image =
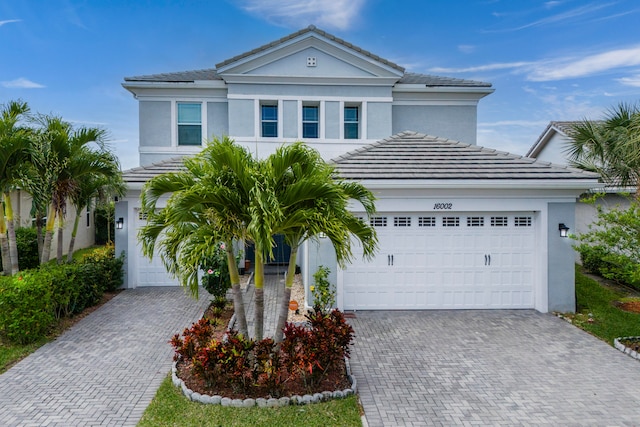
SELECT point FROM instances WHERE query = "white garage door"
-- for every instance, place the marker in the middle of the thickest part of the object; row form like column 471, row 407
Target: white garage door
column 150, row 273
column 445, row 261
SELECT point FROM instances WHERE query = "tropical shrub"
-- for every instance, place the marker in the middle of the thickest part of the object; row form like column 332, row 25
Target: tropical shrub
column 27, row 243
column 216, row 279
column 32, row 301
column 324, row 296
column 26, row 306
column 611, row 248
column 104, row 215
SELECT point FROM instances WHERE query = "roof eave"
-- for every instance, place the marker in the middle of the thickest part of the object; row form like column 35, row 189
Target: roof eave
column 580, row 185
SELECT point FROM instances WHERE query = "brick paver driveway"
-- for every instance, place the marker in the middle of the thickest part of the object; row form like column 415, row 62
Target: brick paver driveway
column 489, row 368
column 106, row 369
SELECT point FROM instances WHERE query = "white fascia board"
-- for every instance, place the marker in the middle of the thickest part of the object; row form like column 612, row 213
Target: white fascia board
column 575, row 185
column 306, row 80
column 135, row 87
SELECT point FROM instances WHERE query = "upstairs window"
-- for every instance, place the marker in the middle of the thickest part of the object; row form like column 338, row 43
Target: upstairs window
column 310, row 121
column 189, row 124
column 351, row 122
column 269, row 120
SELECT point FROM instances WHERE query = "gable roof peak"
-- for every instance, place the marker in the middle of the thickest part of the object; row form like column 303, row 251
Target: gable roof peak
column 302, row 32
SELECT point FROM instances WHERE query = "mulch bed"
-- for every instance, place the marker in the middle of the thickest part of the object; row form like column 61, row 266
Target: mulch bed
column 630, row 306
column 334, row 380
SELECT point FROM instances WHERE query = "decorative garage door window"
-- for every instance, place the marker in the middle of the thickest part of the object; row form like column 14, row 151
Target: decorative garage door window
column 379, row 221
column 427, row 221
column 451, row 221
column 475, row 221
column 402, row 221
column 499, row 221
column 523, row 221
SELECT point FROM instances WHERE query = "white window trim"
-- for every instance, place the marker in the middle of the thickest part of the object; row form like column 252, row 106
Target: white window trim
column 321, row 121
column 174, row 121
column 362, row 122
column 257, row 130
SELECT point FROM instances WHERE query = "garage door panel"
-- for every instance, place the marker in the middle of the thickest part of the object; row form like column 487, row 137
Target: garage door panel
column 478, row 262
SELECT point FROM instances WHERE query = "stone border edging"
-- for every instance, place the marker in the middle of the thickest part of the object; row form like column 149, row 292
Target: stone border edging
column 617, row 344
column 261, row 402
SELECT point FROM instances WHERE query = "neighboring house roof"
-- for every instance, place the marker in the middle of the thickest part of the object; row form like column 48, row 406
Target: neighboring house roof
column 553, row 127
column 212, row 73
column 415, row 156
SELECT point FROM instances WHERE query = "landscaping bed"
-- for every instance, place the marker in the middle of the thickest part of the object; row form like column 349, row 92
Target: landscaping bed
column 259, row 370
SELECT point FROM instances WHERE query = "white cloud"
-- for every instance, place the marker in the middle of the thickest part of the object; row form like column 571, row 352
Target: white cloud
column 21, row 83
column 584, row 66
column 630, row 81
column 466, row 48
column 9, row 21
column 487, row 67
column 338, row 14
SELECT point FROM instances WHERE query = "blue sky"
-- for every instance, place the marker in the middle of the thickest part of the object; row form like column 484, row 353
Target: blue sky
column 547, row 60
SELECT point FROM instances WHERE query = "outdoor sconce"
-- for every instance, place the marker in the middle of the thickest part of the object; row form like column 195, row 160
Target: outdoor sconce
column 120, row 223
column 564, row 230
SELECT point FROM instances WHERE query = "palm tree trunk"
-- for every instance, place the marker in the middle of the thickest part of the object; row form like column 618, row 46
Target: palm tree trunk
column 60, row 238
column 72, row 241
column 4, row 244
column 11, row 231
column 283, row 310
column 259, row 297
column 48, row 235
column 238, row 302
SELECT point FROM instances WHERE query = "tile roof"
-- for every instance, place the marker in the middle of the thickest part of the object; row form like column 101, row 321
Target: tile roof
column 142, row 174
column 310, row 29
column 178, row 77
column 414, row 156
column 429, row 80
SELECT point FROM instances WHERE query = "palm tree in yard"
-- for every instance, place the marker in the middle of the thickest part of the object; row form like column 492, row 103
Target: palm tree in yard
column 62, row 157
column 14, row 144
column 96, row 186
column 208, row 202
column 610, row 147
column 312, row 201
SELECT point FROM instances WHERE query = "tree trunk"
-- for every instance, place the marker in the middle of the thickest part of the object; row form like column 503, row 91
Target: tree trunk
column 39, row 235
column 72, row 241
column 60, row 238
column 283, row 311
column 13, row 244
column 258, row 279
column 238, row 302
column 4, row 244
column 48, row 235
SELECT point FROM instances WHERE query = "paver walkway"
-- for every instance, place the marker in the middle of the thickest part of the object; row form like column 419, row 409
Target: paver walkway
column 106, row 369
column 441, row 368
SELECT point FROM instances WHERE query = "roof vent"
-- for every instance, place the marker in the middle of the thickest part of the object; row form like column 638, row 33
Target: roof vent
column 311, row 61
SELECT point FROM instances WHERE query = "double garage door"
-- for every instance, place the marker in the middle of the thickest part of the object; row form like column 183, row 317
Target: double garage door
column 445, row 261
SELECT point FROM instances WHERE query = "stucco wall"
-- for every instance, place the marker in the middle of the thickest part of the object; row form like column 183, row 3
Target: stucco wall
column 155, row 123
column 290, row 119
column 320, row 253
column 332, row 120
column 241, row 117
column 561, row 258
column 121, row 236
column 217, row 119
column 446, row 121
column 379, row 120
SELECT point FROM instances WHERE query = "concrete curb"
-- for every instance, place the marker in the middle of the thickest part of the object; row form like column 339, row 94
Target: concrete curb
column 617, row 344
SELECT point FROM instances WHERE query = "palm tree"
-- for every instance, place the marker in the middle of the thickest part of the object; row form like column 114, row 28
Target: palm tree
column 610, row 147
column 311, row 201
column 62, row 158
column 14, row 143
column 98, row 186
column 208, row 203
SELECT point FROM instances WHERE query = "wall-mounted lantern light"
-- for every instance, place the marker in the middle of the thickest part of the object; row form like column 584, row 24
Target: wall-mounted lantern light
column 120, row 223
column 564, row 230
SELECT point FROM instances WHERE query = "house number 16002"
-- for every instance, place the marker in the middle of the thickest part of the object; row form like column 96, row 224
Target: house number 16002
column 443, row 206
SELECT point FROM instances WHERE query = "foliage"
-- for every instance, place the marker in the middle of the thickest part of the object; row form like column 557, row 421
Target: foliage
column 324, row 296
column 26, row 306
column 609, row 147
column 27, row 244
column 597, row 313
column 33, row 301
column 306, row 353
column 171, row 408
column 104, row 221
column 216, row 279
column 611, row 248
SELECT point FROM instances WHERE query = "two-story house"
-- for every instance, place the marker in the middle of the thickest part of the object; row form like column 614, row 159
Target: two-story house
column 460, row 226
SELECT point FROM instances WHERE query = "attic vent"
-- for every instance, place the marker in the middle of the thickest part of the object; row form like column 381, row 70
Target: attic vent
column 311, row 61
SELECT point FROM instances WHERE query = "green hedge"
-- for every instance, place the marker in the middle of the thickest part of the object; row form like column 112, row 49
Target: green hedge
column 27, row 244
column 33, row 301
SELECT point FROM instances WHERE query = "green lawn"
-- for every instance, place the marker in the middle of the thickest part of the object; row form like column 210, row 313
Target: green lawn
column 171, row 408
column 609, row 322
column 11, row 353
